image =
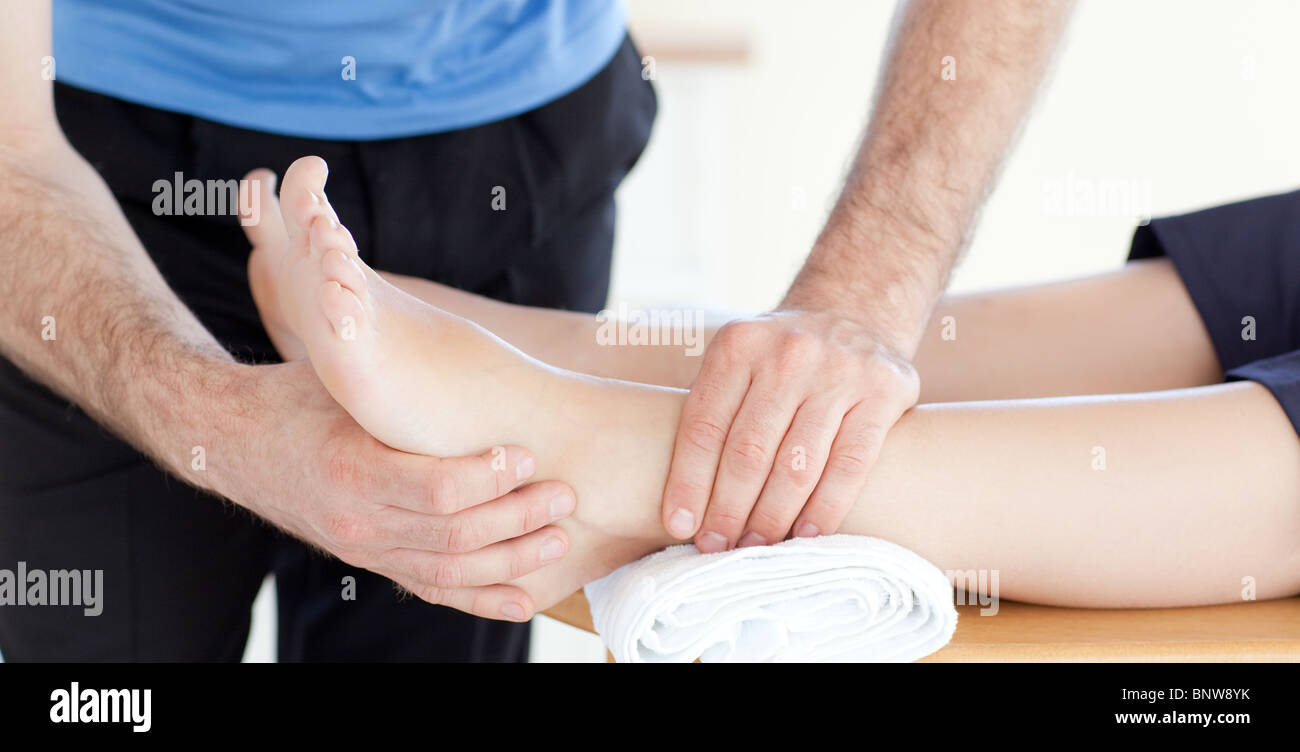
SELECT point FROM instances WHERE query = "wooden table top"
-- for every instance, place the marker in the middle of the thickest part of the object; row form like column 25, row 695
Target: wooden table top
column 1254, row 631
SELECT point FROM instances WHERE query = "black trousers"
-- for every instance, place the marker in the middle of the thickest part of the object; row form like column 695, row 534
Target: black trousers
column 181, row 568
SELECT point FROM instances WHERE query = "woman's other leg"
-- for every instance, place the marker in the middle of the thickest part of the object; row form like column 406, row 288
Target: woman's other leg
column 1131, row 330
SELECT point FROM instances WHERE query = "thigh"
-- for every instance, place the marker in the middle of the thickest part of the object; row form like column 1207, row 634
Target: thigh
column 519, row 210
column 1132, row 330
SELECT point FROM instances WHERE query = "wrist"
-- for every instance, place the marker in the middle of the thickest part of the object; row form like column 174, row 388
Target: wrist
column 894, row 313
column 879, row 272
column 203, row 412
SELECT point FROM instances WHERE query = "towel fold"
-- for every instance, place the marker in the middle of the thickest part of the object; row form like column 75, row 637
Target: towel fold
column 834, row 598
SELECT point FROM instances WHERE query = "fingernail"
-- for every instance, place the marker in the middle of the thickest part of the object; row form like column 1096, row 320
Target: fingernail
column 807, row 530
column 681, row 523
column 751, row 539
column 525, row 468
column 513, row 611
column 562, row 506
column 552, row 549
column 711, row 543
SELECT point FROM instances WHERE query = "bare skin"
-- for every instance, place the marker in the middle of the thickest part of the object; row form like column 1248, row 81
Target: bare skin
column 133, row 357
column 831, row 369
column 1197, row 491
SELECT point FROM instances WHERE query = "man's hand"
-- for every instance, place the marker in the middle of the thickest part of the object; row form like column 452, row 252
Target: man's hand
column 781, row 427
column 449, row 530
column 783, row 396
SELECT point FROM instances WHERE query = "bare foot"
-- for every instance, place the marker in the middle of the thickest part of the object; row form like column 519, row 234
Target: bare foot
column 424, row 381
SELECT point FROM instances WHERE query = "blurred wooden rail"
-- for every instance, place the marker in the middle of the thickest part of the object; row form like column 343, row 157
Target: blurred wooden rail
column 1255, row 631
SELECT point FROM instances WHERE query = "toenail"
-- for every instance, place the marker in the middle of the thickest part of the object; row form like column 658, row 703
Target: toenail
column 682, row 523
column 562, row 506
column 807, row 530
column 552, row 549
column 711, row 543
column 751, row 539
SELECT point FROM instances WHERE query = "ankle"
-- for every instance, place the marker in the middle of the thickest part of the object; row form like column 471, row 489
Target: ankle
column 612, row 442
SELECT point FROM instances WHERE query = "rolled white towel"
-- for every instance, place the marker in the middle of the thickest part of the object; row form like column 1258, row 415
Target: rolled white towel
column 834, row 598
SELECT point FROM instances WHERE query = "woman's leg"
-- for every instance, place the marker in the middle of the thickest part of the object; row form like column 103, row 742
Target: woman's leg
column 1134, row 329
column 1162, row 499
column 1131, row 330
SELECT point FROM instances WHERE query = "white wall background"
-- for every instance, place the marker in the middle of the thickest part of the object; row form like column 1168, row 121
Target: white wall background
column 1192, row 102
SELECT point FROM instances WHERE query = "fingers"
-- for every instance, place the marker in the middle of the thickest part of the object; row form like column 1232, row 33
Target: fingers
column 504, row 602
column 446, row 486
column 511, row 516
column 752, row 443
column 798, row 464
column 845, row 476
column 701, row 437
column 494, row 564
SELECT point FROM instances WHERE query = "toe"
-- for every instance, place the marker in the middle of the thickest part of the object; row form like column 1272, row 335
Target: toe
column 303, row 200
column 259, row 211
column 339, row 267
column 343, row 310
column 327, row 236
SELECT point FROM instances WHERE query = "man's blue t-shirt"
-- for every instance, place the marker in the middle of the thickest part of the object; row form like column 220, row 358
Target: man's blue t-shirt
column 337, row 70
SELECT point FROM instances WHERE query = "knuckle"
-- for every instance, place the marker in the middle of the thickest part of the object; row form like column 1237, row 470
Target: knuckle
column 705, row 434
column 478, row 604
column 882, row 380
column 344, row 470
column 503, row 481
column 459, row 536
column 799, row 347
column 851, row 459
column 747, row 454
column 429, row 594
column 446, row 573
column 723, row 518
column 518, row 566
column 687, row 490
column 536, row 513
column 734, row 334
column 767, row 523
column 444, row 493
column 801, row 477
column 739, row 339
column 345, row 530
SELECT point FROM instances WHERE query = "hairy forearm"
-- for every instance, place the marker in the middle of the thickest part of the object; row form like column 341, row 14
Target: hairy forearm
column 957, row 82
column 86, row 313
